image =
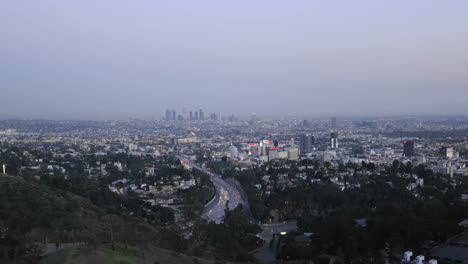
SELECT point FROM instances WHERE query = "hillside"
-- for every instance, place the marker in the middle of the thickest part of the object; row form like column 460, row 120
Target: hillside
column 26, row 205
column 132, row 255
column 32, row 214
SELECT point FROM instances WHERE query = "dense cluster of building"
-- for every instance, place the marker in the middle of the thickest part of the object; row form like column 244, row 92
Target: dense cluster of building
column 440, row 145
column 252, row 141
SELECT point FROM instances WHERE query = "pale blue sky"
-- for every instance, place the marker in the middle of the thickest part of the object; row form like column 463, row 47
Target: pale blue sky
column 85, row 58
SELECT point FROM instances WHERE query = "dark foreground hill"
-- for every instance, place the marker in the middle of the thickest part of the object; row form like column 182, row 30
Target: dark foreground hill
column 132, row 255
column 33, row 215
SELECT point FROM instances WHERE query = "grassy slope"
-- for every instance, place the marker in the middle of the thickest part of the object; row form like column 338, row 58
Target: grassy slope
column 30, row 203
column 26, row 204
column 105, row 255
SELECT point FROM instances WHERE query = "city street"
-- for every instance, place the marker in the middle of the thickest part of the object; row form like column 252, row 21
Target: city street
column 266, row 254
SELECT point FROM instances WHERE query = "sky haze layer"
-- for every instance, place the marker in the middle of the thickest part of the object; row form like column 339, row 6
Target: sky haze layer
column 86, row 59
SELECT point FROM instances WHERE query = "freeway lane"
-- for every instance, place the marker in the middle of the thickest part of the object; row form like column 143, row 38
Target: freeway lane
column 214, row 210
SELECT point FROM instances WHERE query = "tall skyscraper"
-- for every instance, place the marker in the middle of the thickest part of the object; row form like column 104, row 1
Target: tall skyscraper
column 408, row 148
column 253, row 117
column 333, row 123
column 334, row 140
column 191, row 115
column 168, row 115
column 306, row 142
column 202, row 115
column 173, row 115
column 213, row 116
column 196, row 116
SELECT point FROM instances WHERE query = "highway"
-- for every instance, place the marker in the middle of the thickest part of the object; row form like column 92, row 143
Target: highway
column 214, row 210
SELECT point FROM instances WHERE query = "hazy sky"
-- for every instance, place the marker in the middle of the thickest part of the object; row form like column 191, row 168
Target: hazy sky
column 85, row 59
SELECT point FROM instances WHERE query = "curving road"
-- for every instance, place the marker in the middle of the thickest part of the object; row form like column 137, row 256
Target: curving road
column 227, row 191
column 214, row 210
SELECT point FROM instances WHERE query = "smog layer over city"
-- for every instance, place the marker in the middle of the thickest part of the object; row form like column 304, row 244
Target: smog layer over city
column 234, row 132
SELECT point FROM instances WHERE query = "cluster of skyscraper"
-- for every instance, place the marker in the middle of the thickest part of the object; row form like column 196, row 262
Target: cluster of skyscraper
column 200, row 115
column 307, row 141
column 171, row 115
column 191, row 115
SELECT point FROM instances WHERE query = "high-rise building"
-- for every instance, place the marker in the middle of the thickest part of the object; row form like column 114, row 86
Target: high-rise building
column 168, row 115
column 196, row 116
column 447, row 152
column 191, row 115
column 306, row 142
column 408, row 148
column 173, row 115
column 213, row 116
column 202, row 115
column 334, row 140
column 333, row 123
column 253, row 117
